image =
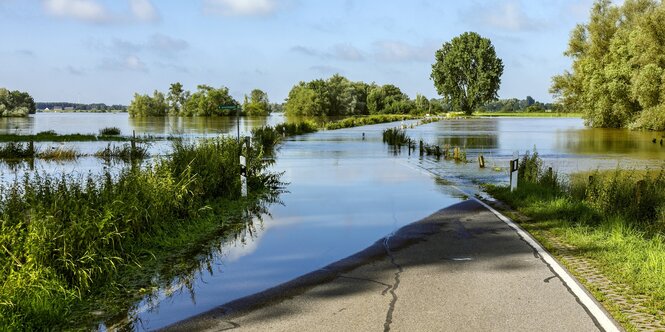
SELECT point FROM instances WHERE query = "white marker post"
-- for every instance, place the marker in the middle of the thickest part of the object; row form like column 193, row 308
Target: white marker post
column 243, row 176
column 514, row 166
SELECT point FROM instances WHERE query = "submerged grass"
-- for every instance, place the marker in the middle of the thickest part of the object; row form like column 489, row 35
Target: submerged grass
column 109, row 134
column 62, row 236
column 58, row 153
column 127, row 152
column 615, row 218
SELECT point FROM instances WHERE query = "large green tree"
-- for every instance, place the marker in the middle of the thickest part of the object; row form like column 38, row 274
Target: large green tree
column 467, row 72
column 617, row 77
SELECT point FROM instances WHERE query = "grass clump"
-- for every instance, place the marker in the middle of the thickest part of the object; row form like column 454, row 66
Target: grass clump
column 127, row 152
column 63, row 236
column 396, row 137
column 615, row 218
column 109, row 131
column 58, row 153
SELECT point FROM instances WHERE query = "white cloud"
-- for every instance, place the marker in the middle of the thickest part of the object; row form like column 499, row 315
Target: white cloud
column 347, row 52
column 240, row 7
column 85, row 10
column 398, row 51
column 128, row 63
column 505, row 16
column 344, row 52
column 143, row 10
column 165, row 44
column 93, row 11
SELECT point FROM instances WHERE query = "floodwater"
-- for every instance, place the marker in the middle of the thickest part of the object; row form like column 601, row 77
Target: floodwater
column 346, row 190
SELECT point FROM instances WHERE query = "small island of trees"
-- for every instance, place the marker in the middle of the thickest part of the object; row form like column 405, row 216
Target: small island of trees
column 206, row 101
column 16, row 103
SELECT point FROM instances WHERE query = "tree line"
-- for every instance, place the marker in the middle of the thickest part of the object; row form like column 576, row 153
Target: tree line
column 16, row 103
column 205, row 101
column 514, row 105
column 617, row 77
column 80, row 107
column 338, row 96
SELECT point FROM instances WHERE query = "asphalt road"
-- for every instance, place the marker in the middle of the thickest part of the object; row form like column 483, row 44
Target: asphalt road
column 461, row 269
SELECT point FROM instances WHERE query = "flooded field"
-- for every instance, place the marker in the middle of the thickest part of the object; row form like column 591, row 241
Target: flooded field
column 346, row 189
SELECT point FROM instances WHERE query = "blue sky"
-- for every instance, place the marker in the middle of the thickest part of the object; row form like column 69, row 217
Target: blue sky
column 105, row 50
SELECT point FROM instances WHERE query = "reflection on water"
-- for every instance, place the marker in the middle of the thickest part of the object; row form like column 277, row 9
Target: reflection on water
column 91, row 123
column 344, row 193
column 179, row 275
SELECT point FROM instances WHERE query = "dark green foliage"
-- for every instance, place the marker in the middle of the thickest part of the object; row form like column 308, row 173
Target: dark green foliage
column 109, row 131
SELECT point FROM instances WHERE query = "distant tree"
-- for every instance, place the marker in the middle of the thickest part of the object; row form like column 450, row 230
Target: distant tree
column 176, row 98
column 467, row 72
column 530, row 101
column 257, row 103
column 145, row 105
column 422, row 104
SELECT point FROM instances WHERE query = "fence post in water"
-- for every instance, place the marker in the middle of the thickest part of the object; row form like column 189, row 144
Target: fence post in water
column 421, row 148
column 481, row 161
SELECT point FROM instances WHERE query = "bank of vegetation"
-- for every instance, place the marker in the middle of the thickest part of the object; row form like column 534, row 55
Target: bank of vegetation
column 617, row 77
column 105, row 134
column 614, row 218
column 62, row 236
column 16, row 103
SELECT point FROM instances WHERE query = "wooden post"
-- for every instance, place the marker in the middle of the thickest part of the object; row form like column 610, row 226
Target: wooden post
column 481, row 161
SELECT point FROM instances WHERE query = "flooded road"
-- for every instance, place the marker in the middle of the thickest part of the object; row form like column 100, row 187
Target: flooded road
column 344, row 191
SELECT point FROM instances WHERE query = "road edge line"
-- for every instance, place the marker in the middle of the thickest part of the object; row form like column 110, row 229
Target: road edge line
column 605, row 322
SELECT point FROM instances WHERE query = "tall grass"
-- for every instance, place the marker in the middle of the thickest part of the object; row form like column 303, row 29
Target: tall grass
column 615, row 218
column 62, row 235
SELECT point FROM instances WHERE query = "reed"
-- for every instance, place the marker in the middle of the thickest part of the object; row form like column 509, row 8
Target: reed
column 63, row 235
column 109, row 131
column 58, row 153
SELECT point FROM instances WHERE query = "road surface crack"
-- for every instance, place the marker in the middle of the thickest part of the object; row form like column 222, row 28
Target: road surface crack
column 393, row 288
